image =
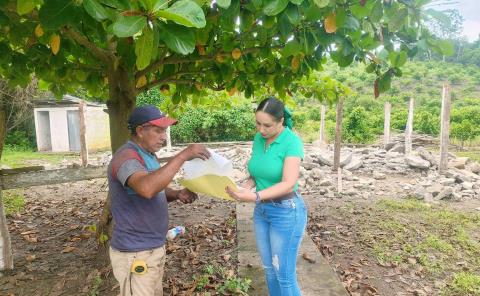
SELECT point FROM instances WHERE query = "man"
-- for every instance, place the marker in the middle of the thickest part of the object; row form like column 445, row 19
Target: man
column 139, row 193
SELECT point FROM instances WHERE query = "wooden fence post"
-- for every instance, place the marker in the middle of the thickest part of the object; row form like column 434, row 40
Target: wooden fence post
column 169, row 140
column 444, row 128
column 386, row 124
column 409, row 128
column 323, row 139
column 338, row 135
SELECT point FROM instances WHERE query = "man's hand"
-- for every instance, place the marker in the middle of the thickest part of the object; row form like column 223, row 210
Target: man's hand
column 195, row 151
column 186, row 196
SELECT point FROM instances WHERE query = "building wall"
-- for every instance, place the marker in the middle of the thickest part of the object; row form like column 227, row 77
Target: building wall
column 58, row 128
column 97, row 128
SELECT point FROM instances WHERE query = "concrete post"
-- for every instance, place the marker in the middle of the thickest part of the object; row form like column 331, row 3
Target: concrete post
column 445, row 128
column 409, row 128
column 338, row 135
column 323, row 139
column 386, row 124
column 83, row 139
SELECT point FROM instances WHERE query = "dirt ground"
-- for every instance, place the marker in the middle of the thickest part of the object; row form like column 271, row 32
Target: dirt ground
column 55, row 252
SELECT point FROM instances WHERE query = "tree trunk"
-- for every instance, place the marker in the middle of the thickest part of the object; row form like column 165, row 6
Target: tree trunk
column 121, row 102
column 6, row 257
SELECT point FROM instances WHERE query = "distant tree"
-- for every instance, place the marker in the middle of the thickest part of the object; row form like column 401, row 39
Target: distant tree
column 464, row 131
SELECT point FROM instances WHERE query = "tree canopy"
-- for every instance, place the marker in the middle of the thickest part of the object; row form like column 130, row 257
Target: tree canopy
column 117, row 49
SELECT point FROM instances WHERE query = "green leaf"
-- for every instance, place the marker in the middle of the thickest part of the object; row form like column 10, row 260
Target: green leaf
column 224, row 3
column 178, row 38
column 127, row 26
column 95, row 10
column 321, row 3
column 384, row 82
column 397, row 59
column 144, row 48
column 57, row 13
column 296, row 2
column 159, row 4
column 377, row 12
column 351, row 23
column 274, row 7
column 25, row 6
column 397, row 21
column 291, row 48
column 184, row 12
column 293, row 15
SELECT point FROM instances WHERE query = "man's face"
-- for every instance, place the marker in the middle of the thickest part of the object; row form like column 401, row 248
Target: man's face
column 151, row 137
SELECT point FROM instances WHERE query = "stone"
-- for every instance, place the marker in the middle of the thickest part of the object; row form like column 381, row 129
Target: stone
column 435, row 189
column 459, row 162
column 474, row 168
column 390, row 145
column 427, row 155
column 379, row 176
column 326, row 183
column 316, row 174
column 420, row 192
column 417, row 162
column 446, row 193
column 447, row 181
column 310, row 165
column 467, row 185
column 355, row 163
column 323, row 160
column 399, row 147
column 345, row 159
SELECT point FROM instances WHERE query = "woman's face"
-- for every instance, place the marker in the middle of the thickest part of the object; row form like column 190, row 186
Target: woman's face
column 267, row 125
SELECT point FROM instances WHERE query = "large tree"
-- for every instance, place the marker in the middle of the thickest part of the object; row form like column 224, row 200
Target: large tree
column 118, row 48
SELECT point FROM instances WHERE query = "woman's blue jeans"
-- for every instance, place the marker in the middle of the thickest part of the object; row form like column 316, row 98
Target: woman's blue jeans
column 279, row 228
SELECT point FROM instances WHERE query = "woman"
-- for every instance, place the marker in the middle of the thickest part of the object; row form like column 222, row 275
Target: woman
column 280, row 215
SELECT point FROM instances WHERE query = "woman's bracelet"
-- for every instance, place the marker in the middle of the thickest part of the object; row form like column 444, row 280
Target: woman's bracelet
column 257, row 199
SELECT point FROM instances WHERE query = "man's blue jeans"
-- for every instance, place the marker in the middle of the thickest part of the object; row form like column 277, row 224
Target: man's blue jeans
column 279, row 228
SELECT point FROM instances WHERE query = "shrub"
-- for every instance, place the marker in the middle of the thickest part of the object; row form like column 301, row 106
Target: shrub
column 19, row 140
column 356, row 128
column 199, row 124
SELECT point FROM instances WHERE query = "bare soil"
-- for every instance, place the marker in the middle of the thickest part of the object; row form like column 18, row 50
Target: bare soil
column 55, row 252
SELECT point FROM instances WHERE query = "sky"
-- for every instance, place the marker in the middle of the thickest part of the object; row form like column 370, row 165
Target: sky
column 470, row 10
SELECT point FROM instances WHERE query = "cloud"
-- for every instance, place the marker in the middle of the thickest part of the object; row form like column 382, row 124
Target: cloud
column 471, row 29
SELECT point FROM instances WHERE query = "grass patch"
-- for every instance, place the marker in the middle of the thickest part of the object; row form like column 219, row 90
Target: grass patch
column 15, row 159
column 463, row 284
column 220, row 281
column 473, row 155
column 13, row 201
column 415, row 233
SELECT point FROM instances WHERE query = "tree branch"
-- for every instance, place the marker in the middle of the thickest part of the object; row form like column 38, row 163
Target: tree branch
column 182, row 60
column 100, row 53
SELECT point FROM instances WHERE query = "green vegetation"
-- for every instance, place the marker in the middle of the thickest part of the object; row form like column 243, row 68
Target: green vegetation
column 363, row 115
column 434, row 238
column 463, row 284
column 217, row 279
column 19, row 158
column 199, row 124
column 13, row 201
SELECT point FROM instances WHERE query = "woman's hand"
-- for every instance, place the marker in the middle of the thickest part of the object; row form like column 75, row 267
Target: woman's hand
column 242, row 194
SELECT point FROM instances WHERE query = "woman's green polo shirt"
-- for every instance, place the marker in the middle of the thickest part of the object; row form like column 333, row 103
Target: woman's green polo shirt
column 266, row 166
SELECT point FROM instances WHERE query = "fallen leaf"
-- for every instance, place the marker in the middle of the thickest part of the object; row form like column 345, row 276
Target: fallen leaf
column 308, row 258
column 68, row 249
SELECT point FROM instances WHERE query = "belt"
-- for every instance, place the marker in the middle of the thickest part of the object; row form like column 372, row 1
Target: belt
column 288, row 196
